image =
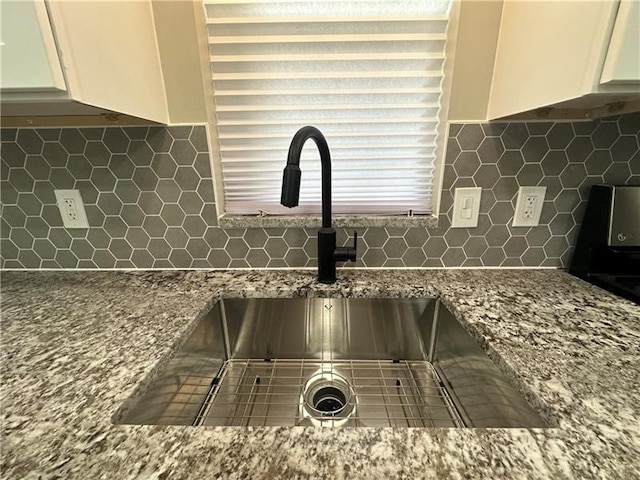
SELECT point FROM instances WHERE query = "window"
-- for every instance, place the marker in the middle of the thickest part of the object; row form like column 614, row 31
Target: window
column 367, row 73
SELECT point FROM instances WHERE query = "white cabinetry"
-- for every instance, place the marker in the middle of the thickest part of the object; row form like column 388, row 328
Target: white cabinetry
column 28, row 56
column 109, row 56
column 551, row 54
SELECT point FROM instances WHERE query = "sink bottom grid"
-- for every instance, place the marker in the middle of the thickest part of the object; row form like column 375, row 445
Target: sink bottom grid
column 379, row 394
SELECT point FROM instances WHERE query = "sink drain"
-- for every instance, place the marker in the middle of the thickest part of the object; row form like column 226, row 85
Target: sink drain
column 327, row 395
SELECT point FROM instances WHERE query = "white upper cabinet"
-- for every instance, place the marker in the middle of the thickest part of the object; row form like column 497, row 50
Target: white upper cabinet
column 552, row 53
column 108, row 52
column 28, row 56
column 622, row 64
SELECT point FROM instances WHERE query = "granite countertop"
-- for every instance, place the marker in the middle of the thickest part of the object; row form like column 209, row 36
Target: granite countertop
column 75, row 345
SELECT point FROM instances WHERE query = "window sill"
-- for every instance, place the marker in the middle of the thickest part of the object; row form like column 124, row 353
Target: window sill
column 338, row 221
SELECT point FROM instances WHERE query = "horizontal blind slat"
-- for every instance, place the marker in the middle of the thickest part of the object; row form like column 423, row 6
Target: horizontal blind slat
column 373, row 91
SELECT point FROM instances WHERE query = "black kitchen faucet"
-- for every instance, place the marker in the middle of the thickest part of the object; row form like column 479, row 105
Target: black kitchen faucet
column 328, row 253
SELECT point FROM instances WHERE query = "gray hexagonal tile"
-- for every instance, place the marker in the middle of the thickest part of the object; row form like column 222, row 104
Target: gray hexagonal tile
column 180, row 258
column 102, row 178
column 466, row 164
column 66, row 259
column 510, row 162
column 82, row 248
column 141, row 258
column 257, row 237
column 505, row 188
column 238, row 248
column 136, row 133
column 560, row 135
column 187, row 178
column 530, row 174
column 490, row 150
column 115, row 140
column 202, row 165
column 122, row 167
column 168, row 190
column 180, row 132
column 515, row 246
column 37, row 167
column 191, row 203
column 533, row 257
column 109, row 203
column 555, row 246
column 219, row 258
column 60, row 237
column 154, row 226
column 453, row 257
column 435, row 247
column 514, row 136
column 159, row 139
column 145, row 178
column 9, row 195
column 617, row 174
column 414, row 257
column 275, row 247
column 493, row 257
column 137, row 237
column 470, row 136
column 140, row 153
column 295, row 258
column 198, row 248
column 37, row 227
column 150, row 203
column 624, row 148
column 132, row 215
column 579, row 149
column 539, row 128
column 501, row 213
column 43, row 247
column 395, row 247
column 72, row 141
column 29, row 203
column 29, row 141
column 605, row 134
column 97, row 154
column 115, row 227
column 159, row 248
column 567, row 200
column 573, row 175
column 474, row 247
column 198, row 139
column 183, row 152
column 176, row 237
column 257, row 258
column 561, row 224
column 453, row 150
column 216, row 237
column 172, row 214
column 98, row 238
column 13, row 155
column 14, row 215
column 194, row 226
column 373, row 257
column 486, row 176
column 21, row 180
column 534, row 149
column 164, row 165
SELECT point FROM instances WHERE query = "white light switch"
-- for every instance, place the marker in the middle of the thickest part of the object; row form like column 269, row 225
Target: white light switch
column 529, row 206
column 466, row 206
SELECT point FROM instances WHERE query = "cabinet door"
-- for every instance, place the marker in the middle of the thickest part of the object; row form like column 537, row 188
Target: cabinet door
column 28, row 56
column 622, row 64
column 110, row 55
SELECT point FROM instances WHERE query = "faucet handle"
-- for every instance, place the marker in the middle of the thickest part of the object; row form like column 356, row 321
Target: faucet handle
column 347, row 254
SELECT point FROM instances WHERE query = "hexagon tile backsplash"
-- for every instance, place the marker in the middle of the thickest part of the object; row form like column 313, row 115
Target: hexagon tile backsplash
column 150, row 203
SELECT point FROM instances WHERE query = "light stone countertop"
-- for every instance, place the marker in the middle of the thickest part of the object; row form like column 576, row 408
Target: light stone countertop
column 75, row 345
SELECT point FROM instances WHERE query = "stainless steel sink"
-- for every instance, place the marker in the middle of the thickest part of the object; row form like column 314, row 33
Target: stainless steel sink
column 356, row 362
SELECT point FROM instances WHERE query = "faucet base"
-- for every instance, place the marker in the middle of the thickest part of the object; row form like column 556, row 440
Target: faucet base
column 326, row 262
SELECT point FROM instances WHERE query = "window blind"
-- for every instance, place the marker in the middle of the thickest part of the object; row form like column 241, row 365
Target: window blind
column 367, row 73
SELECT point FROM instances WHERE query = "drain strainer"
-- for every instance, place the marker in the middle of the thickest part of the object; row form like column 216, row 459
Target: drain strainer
column 327, row 396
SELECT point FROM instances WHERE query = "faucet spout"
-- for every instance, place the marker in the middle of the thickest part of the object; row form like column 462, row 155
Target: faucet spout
column 291, row 179
column 328, row 252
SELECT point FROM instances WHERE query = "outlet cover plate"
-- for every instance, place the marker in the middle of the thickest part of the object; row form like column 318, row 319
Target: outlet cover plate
column 71, row 208
column 529, row 206
column 466, row 207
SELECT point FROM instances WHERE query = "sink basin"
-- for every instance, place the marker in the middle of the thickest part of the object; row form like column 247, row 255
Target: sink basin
column 330, row 362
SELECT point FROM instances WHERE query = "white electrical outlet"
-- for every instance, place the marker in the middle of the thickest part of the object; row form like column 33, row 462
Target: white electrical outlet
column 71, row 208
column 466, row 206
column 529, row 206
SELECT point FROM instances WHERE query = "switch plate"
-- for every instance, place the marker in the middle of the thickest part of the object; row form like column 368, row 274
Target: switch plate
column 71, row 208
column 529, row 206
column 466, row 206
